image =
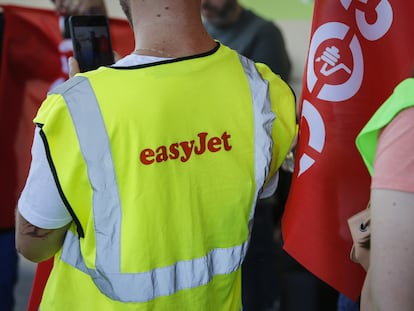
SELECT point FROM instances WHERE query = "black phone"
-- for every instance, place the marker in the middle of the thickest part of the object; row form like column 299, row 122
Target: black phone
column 92, row 46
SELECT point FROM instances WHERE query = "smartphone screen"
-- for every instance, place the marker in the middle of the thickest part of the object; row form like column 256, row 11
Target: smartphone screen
column 91, row 40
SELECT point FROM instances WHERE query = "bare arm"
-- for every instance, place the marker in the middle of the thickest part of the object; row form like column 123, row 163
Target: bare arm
column 37, row 244
column 391, row 275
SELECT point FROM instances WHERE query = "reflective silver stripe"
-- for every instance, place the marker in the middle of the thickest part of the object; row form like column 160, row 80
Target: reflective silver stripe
column 95, row 148
column 263, row 123
column 165, row 281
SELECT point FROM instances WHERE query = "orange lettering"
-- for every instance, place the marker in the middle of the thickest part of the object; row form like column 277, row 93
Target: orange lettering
column 174, row 152
column 185, row 149
column 145, row 155
column 225, row 137
column 161, row 154
column 202, row 149
column 214, row 144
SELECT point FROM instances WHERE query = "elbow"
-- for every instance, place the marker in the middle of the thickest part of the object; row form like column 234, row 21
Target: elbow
column 36, row 244
column 31, row 253
column 27, row 254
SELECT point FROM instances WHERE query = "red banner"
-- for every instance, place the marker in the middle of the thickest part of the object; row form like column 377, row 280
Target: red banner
column 359, row 50
column 34, row 60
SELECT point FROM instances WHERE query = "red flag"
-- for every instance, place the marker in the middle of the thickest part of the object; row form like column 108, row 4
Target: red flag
column 34, row 60
column 359, row 50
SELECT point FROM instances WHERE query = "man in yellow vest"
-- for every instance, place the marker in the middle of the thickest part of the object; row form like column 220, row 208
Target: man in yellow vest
column 145, row 174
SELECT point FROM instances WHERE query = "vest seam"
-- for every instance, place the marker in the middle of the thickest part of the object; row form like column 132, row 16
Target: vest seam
column 58, row 186
column 170, row 61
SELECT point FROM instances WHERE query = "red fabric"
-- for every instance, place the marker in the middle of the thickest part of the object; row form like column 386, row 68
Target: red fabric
column 34, row 59
column 31, row 63
column 330, row 181
column 39, row 283
column 27, row 70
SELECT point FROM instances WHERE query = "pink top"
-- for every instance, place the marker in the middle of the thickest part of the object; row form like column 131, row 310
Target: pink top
column 394, row 160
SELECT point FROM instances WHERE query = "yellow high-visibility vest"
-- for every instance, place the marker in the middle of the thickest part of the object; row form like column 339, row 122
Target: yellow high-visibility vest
column 160, row 166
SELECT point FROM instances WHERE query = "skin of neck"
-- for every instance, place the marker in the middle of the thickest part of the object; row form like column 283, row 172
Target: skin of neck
column 169, row 28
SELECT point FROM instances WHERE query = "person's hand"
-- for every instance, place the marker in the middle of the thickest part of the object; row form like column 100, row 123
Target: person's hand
column 80, row 7
column 73, row 67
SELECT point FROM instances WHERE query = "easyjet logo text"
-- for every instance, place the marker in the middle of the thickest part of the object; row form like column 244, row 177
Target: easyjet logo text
column 186, row 149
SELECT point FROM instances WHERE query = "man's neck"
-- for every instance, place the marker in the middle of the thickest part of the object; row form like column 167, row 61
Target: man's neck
column 169, row 28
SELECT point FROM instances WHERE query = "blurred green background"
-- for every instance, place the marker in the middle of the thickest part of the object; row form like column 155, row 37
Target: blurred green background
column 281, row 9
column 270, row 9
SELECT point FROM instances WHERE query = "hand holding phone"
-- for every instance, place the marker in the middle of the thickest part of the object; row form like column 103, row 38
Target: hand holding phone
column 91, row 40
column 73, row 67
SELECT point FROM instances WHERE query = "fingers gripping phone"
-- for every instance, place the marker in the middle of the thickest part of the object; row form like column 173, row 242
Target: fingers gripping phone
column 91, row 40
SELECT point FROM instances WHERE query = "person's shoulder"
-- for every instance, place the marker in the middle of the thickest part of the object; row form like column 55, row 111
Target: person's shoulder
column 268, row 74
column 260, row 21
column 403, row 120
column 405, row 88
column 263, row 28
column 251, row 15
column 81, row 80
column 67, row 85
